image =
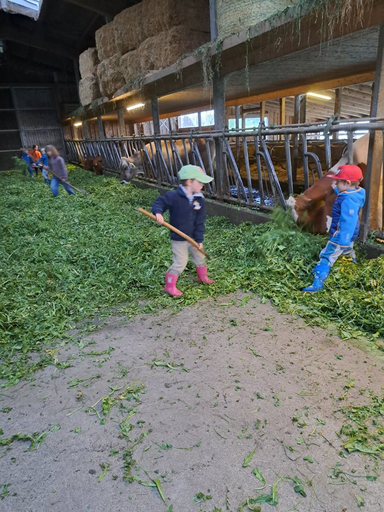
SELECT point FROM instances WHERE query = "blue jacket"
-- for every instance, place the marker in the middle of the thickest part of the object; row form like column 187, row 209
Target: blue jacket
column 43, row 160
column 27, row 158
column 345, row 216
column 189, row 218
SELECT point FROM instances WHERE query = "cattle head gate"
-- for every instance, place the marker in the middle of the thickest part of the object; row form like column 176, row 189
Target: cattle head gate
column 257, row 168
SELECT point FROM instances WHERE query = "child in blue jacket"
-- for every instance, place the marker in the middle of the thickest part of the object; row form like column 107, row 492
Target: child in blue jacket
column 345, row 222
column 28, row 160
column 186, row 206
column 43, row 163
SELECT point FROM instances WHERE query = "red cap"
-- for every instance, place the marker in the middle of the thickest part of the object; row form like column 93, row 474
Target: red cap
column 347, row 173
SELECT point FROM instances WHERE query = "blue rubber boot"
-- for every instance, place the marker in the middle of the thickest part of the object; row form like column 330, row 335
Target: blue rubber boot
column 321, row 273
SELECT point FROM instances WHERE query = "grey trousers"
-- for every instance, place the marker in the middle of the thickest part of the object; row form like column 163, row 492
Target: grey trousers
column 331, row 252
column 180, row 257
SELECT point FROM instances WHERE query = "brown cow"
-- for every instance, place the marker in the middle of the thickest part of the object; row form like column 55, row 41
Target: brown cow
column 133, row 165
column 314, row 207
column 94, row 163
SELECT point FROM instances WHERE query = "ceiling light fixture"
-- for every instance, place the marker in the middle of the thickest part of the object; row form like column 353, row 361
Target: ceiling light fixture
column 77, row 124
column 133, row 107
column 322, row 96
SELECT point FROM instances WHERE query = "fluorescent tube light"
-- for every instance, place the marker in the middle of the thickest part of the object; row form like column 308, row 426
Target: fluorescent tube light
column 133, row 107
column 322, row 96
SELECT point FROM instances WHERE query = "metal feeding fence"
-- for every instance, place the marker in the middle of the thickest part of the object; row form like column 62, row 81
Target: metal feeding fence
column 243, row 163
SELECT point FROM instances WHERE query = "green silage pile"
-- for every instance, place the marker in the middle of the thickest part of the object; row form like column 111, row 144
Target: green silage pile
column 66, row 259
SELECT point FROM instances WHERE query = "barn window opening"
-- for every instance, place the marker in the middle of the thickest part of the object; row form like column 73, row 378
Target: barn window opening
column 342, row 135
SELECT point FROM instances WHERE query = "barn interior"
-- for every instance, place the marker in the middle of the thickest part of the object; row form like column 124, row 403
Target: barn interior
column 82, row 74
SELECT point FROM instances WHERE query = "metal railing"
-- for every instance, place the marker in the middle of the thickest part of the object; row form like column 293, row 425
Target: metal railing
column 242, row 162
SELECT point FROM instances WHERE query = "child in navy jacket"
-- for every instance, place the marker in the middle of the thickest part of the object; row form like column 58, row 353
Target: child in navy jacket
column 345, row 222
column 186, row 206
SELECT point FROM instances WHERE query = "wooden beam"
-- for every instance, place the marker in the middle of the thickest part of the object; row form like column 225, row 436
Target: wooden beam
column 301, row 89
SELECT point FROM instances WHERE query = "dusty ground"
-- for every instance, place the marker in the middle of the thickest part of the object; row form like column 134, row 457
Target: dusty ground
column 247, row 371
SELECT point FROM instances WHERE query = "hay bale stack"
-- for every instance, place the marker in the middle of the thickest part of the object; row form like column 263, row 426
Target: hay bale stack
column 105, row 41
column 88, row 62
column 233, row 17
column 89, row 89
column 165, row 48
column 109, row 74
column 161, row 15
column 130, row 65
column 128, row 29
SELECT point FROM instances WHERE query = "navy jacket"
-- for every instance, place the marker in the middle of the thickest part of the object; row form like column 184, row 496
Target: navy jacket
column 345, row 216
column 189, row 218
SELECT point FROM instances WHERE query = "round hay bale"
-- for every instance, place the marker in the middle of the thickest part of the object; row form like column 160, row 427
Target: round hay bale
column 165, row 48
column 236, row 16
column 110, row 76
column 130, row 65
column 105, row 41
column 89, row 89
column 161, row 15
column 88, row 62
column 128, row 29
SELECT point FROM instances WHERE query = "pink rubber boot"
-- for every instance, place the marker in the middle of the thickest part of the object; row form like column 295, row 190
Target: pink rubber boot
column 170, row 285
column 202, row 275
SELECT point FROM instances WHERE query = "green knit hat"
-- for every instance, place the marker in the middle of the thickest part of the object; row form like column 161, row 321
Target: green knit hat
column 193, row 172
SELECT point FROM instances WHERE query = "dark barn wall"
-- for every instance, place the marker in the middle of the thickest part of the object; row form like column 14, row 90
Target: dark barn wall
column 28, row 115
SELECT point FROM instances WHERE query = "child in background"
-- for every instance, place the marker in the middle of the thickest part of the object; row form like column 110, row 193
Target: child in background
column 43, row 164
column 58, row 169
column 28, row 160
column 345, row 222
column 186, row 206
column 36, row 155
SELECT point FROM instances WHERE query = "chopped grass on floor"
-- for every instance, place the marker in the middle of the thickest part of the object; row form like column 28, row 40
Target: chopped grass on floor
column 69, row 258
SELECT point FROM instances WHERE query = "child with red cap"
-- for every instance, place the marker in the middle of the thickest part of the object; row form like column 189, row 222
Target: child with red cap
column 345, row 222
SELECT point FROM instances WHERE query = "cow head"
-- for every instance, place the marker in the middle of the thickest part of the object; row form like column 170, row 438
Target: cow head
column 128, row 169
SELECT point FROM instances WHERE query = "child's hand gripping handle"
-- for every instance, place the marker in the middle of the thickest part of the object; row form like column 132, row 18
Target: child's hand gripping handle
column 175, row 230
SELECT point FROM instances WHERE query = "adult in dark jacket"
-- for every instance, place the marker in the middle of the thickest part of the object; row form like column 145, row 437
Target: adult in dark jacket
column 186, row 206
column 59, row 171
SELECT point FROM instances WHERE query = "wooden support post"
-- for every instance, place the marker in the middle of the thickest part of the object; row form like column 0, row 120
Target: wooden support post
column 121, row 122
column 155, row 116
column 237, row 126
column 282, row 115
column 337, row 107
column 199, row 120
column 77, row 74
column 85, row 129
column 303, row 108
column 213, row 19
column 282, row 111
column 372, row 218
column 296, row 118
column 262, row 111
column 100, row 128
column 219, row 108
